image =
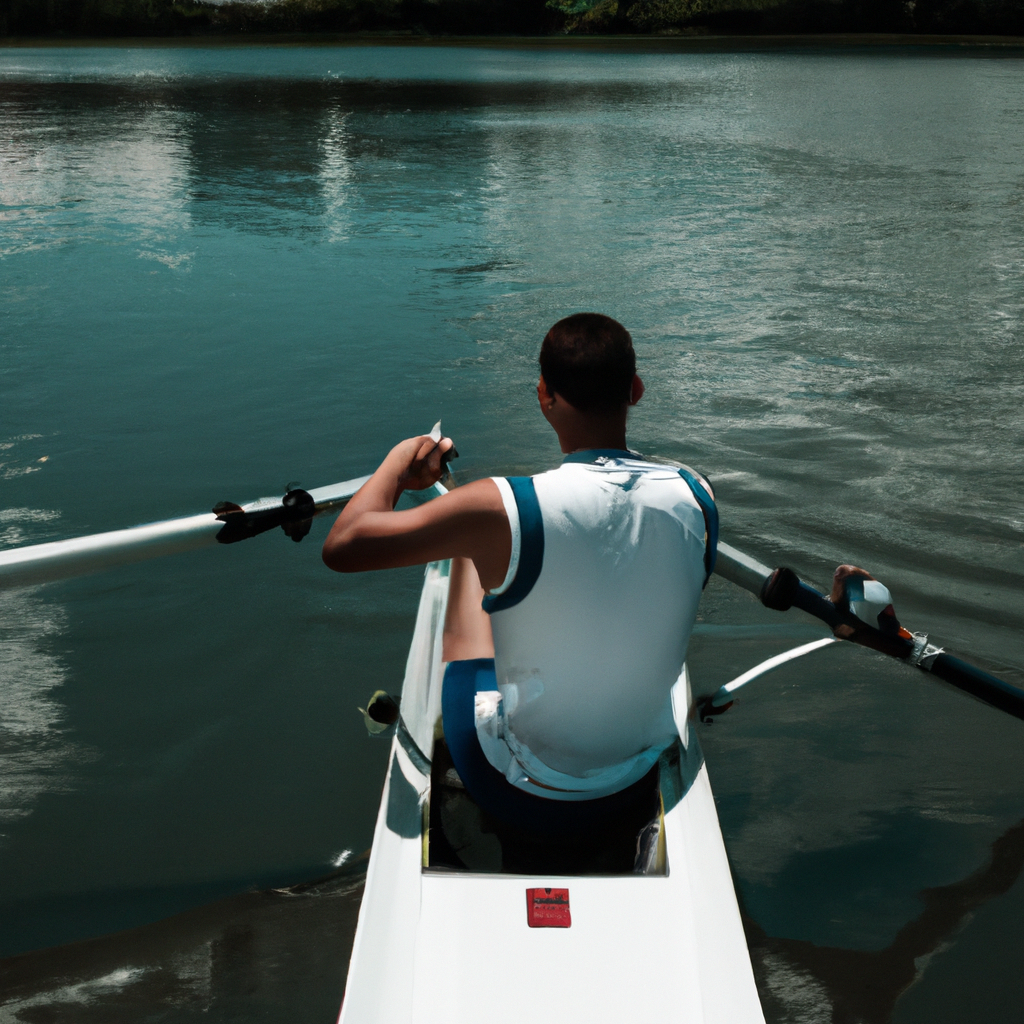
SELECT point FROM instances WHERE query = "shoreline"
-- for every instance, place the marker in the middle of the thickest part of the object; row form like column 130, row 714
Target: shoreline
column 594, row 43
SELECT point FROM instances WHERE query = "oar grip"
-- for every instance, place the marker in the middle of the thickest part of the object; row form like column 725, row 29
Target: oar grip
column 784, row 590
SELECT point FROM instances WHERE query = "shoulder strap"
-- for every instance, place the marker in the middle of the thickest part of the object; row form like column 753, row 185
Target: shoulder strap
column 707, row 505
column 531, row 546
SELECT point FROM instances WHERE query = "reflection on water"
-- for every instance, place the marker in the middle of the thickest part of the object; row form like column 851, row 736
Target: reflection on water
column 274, row 956
column 227, row 269
column 126, row 172
column 36, row 755
column 801, row 982
column 336, row 172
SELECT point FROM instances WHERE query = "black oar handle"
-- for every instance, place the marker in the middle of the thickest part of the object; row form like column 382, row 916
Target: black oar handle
column 783, row 589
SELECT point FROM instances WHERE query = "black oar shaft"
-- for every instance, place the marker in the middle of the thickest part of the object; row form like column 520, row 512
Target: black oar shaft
column 980, row 684
column 986, row 687
column 783, row 589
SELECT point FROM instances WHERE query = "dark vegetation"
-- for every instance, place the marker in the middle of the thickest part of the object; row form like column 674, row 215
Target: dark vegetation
column 71, row 18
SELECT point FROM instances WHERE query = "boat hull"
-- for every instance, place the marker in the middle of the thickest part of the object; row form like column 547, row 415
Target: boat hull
column 456, row 947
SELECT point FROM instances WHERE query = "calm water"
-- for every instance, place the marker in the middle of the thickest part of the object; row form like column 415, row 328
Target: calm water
column 222, row 270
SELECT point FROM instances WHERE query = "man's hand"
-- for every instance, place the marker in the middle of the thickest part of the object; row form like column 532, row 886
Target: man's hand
column 838, row 596
column 469, row 522
column 870, row 602
column 419, row 461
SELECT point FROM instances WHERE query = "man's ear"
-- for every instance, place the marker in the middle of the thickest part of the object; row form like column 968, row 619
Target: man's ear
column 636, row 390
column 544, row 396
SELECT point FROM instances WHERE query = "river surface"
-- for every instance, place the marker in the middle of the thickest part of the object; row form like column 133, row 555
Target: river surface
column 226, row 269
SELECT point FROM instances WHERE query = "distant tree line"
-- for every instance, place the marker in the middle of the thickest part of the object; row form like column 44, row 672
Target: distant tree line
column 77, row 18
column 202, row 17
column 756, row 17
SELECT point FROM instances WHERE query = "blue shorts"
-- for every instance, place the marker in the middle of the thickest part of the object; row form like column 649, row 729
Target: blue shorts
column 492, row 791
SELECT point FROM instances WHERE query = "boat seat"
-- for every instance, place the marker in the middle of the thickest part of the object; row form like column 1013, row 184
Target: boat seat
column 464, row 837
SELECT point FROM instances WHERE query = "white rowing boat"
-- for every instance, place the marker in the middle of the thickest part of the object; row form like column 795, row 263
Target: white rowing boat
column 440, row 942
column 444, row 933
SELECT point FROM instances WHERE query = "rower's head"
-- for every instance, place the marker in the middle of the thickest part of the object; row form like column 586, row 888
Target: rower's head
column 588, row 381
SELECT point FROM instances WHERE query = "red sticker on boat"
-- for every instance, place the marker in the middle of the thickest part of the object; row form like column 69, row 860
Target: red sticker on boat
column 548, row 908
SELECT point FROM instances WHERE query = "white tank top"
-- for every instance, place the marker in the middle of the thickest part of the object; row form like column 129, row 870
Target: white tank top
column 592, row 623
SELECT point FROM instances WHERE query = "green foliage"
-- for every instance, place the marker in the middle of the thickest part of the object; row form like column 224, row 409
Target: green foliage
column 589, row 16
column 583, row 17
column 997, row 17
column 572, row 8
column 101, row 17
column 649, row 15
column 657, row 15
column 307, row 16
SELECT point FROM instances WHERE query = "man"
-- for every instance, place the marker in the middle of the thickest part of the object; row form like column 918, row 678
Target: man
column 572, row 595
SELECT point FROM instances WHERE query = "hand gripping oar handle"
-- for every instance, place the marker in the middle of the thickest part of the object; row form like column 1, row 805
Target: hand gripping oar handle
column 782, row 589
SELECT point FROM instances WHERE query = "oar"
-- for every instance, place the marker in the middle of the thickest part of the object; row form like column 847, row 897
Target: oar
column 227, row 523
column 782, row 589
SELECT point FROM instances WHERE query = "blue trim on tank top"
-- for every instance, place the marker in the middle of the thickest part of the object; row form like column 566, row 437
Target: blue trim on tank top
column 710, row 512
column 531, row 546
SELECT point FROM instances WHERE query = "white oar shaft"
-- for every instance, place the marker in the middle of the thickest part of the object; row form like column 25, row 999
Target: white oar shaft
column 39, row 563
column 739, row 568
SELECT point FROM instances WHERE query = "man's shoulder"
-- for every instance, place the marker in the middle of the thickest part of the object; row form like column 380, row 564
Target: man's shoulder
column 478, row 495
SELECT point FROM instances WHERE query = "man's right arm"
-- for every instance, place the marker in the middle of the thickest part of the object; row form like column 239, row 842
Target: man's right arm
column 470, row 521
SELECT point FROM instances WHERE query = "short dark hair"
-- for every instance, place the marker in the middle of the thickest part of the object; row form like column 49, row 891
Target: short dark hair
column 588, row 359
